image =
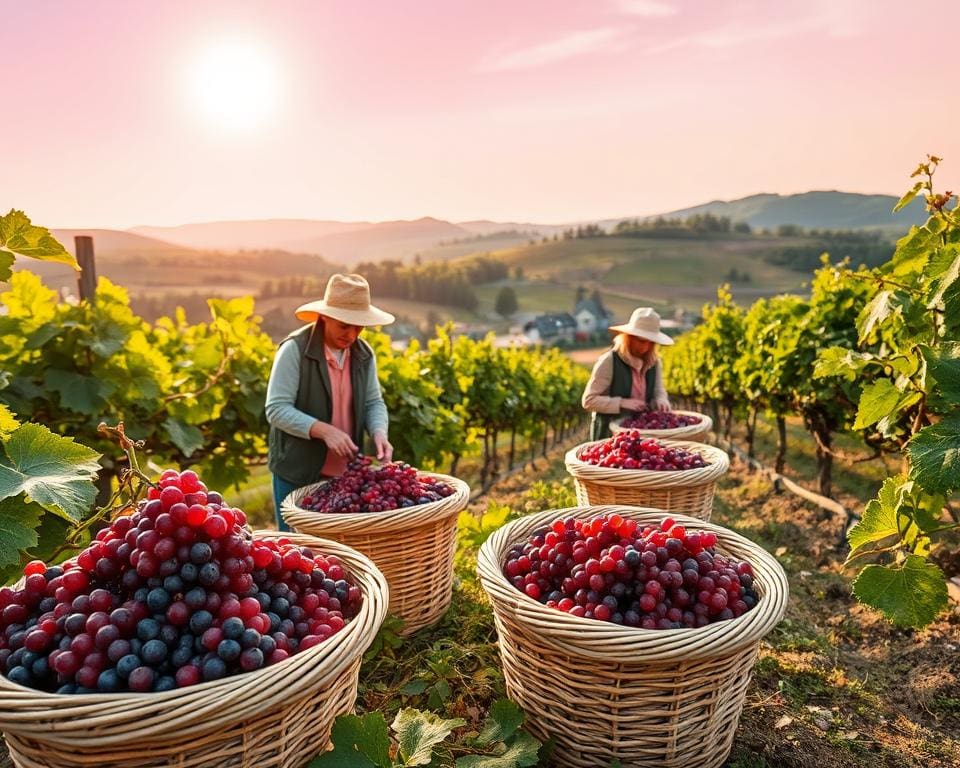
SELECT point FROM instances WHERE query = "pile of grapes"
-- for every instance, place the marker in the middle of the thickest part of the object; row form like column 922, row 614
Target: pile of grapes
column 368, row 488
column 611, row 569
column 174, row 594
column 658, row 420
column 631, row 450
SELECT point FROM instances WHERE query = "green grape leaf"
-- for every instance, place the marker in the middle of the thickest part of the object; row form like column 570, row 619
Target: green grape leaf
column 6, row 264
column 19, row 520
column 186, row 437
column 935, row 456
column 414, row 688
column 910, row 594
column 522, row 751
column 878, row 310
column 879, row 399
column 358, row 742
column 840, row 361
column 943, row 366
column 419, row 732
column 503, row 719
column 51, row 470
column 878, row 525
column 908, row 198
column 19, row 236
column 946, row 281
column 8, row 423
column 83, row 394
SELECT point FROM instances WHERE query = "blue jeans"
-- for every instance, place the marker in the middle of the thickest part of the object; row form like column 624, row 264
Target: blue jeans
column 281, row 489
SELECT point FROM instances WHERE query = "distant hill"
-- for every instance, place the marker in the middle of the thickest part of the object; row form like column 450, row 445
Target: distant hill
column 237, row 235
column 114, row 241
column 811, row 210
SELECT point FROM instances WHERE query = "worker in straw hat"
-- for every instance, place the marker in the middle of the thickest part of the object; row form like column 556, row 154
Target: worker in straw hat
column 629, row 376
column 323, row 392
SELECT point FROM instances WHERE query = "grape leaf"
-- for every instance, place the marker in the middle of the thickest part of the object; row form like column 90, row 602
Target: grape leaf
column 910, row 594
column 943, row 366
column 6, row 262
column 522, row 751
column 358, row 742
column 186, row 437
column 503, row 719
column 908, row 197
column 879, row 399
column 19, row 520
column 880, row 516
column 84, row 394
column 878, row 310
column 51, row 470
column 8, row 423
column 19, row 236
column 418, row 732
column 935, row 456
column 840, row 361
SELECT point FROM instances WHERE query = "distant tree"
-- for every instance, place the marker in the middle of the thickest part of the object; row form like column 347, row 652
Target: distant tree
column 417, row 259
column 518, row 272
column 789, row 230
column 506, row 302
column 742, row 227
column 581, row 294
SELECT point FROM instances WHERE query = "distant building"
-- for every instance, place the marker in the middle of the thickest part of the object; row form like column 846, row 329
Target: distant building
column 549, row 329
column 591, row 316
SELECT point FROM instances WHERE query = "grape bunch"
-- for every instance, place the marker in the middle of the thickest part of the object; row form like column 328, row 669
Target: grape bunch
column 364, row 487
column 174, row 594
column 631, row 450
column 658, row 420
column 612, row 569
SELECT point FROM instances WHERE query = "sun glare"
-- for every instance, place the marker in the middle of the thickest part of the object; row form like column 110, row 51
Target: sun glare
column 234, row 85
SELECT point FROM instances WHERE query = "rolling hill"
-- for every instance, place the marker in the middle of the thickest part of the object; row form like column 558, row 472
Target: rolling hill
column 811, row 210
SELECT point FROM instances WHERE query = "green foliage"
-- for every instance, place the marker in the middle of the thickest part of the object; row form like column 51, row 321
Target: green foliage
column 19, row 237
column 906, row 335
column 193, row 393
column 506, row 303
column 366, row 741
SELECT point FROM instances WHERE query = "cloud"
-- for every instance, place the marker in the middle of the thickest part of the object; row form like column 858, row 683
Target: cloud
column 646, row 8
column 604, row 39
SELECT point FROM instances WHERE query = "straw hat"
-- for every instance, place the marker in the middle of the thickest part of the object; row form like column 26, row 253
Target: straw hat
column 645, row 324
column 347, row 299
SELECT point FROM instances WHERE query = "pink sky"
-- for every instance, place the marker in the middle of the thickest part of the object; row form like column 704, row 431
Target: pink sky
column 540, row 110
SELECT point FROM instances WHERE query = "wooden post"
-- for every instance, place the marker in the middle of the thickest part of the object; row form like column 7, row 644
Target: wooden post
column 87, row 280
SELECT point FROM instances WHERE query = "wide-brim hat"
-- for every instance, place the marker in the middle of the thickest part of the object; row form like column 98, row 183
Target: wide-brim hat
column 645, row 324
column 347, row 299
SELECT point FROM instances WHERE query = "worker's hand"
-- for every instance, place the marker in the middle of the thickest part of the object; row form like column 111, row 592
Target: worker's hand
column 337, row 440
column 384, row 449
column 662, row 405
column 632, row 404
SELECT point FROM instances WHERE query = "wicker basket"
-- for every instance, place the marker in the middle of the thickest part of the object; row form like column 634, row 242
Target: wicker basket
column 278, row 717
column 657, row 698
column 689, row 491
column 413, row 547
column 695, row 433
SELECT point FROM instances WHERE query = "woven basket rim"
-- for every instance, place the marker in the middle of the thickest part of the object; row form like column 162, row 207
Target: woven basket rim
column 20, row 705
column 388, row 519
column 718, row 462
column 704, row 425
column 605, row 640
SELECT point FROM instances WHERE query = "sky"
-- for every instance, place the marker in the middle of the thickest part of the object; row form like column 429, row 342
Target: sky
column 119, row 114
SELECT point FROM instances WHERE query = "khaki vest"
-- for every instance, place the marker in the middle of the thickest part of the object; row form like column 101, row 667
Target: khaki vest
column 294, row 459
column 621, row 386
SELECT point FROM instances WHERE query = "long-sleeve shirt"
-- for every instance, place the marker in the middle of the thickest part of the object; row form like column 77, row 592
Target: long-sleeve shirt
column 596, row 395
column 281, row 409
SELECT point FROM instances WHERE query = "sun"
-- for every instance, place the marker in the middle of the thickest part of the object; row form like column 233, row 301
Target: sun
column 233, row 85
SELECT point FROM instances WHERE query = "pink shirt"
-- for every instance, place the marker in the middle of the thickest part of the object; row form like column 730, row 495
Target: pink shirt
column 638, row 389
column 341, row 393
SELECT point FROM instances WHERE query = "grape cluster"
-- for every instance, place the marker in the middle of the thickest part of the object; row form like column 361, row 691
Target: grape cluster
column 631, row 450
column 176, row 593
column 364, row 487
column 611, row 569
column 658, row 420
